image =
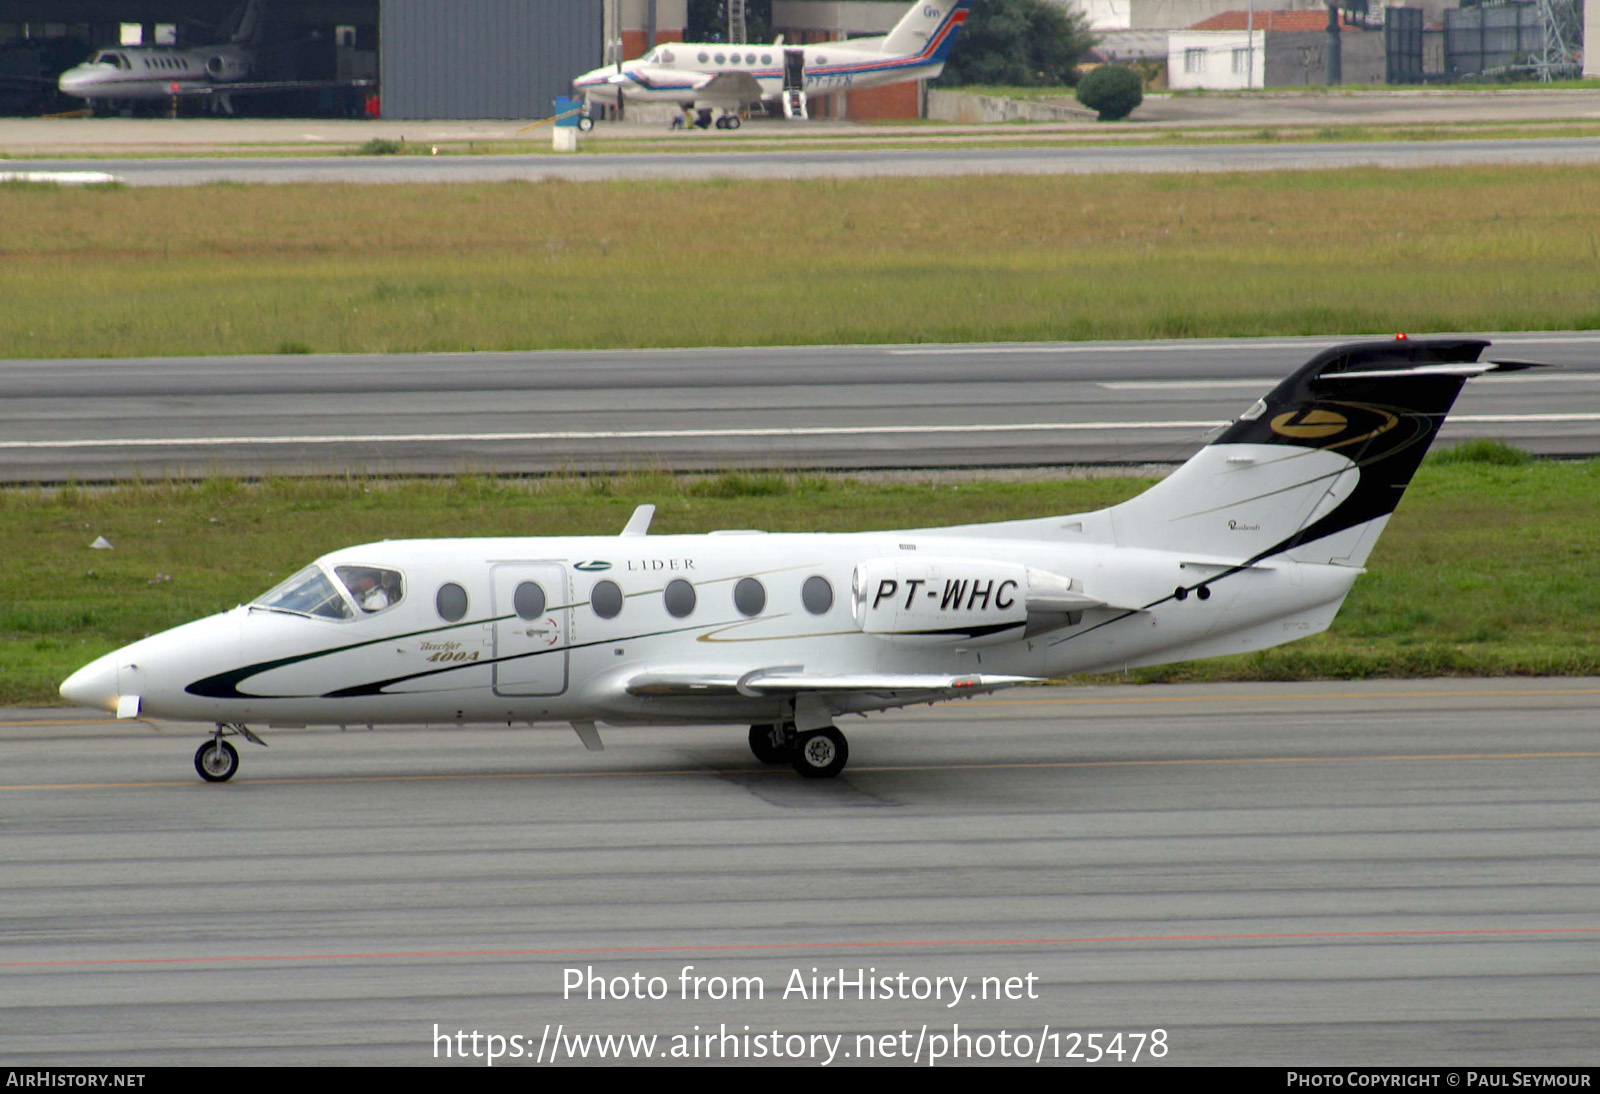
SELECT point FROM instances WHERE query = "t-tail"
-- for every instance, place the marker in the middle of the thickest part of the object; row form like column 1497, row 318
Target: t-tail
column 1312, row 471
column 927, row 32
column 247, row 24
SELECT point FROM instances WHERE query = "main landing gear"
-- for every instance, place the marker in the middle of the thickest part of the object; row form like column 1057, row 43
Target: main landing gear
column 814, row 754
column 217, row 760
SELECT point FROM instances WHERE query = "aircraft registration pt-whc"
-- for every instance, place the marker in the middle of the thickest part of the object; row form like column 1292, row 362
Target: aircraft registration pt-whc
column 729, row 77
column 1253, row 542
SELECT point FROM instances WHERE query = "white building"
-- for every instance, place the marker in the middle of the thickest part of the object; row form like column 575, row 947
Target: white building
column 1163, row 14
column 1591, row 37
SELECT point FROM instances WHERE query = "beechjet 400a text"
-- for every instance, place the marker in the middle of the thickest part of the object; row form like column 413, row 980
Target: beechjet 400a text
column 1253, row 542
column 729, row 77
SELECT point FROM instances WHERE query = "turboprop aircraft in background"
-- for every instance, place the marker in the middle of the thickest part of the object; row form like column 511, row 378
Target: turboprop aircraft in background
column 707, row 76
column 149, row 73
column 1253, row 542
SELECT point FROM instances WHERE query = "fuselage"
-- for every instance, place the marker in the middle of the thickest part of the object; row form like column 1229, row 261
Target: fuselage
column 669, row 74
column 156, row 72
column 562, row 629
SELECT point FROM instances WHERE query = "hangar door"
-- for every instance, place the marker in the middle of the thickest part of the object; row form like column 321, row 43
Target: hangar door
column 484, row 58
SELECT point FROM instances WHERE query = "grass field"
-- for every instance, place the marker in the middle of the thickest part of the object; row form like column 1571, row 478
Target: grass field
column 233, row 269
column 1485, row 568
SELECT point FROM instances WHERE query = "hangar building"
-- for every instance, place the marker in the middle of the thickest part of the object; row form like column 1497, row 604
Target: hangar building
column 462, row 59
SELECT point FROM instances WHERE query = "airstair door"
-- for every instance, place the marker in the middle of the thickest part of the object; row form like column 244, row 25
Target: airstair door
column 532, row 616
column 794, row 70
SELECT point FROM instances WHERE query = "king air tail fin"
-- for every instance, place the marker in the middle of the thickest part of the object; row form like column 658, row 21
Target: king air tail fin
column 1312, row 470
column 927, row 31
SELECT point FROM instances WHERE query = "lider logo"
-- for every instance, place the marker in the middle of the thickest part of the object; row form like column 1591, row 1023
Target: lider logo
column 591, row 566
column 1312, row 423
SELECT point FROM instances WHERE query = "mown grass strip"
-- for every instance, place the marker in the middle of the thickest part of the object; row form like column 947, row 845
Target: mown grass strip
column 1487, row 568
column 561, row 265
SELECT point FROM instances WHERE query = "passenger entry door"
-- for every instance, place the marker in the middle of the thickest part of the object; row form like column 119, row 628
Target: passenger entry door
column 531, row 628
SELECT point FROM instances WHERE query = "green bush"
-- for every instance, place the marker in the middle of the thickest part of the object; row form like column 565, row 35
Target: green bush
column 1112, row 91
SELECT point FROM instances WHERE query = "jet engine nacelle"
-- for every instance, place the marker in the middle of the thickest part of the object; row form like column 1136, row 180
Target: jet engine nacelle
column 225, row 66
column 955, row 601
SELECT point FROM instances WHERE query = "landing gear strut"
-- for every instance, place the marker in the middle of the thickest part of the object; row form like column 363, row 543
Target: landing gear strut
column 217, row 760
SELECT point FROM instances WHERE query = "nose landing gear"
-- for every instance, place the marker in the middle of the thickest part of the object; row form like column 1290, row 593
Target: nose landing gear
column 216, row 761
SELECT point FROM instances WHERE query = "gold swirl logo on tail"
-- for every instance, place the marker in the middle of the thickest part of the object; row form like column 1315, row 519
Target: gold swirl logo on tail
column 1309, row 424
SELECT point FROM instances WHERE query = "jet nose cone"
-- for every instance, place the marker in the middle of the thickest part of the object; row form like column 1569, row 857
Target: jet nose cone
column 72, row 81
column 94, row 685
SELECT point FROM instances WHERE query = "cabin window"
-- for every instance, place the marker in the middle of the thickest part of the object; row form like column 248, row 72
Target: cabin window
column 703, row 57
column 373, row 589
column 309, row 592
column 606, row 599
column 722, row 58
column 817, row 595
column 528, row 600
column 766, row 58
column 749, row 58
column 450, row 602
column 679, row 597
column 749, row 596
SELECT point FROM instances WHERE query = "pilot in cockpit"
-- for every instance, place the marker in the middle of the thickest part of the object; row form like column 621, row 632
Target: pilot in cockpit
column 367, row 587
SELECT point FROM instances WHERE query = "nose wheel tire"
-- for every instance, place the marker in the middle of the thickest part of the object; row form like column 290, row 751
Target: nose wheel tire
column 820, row 754
column 216, row 761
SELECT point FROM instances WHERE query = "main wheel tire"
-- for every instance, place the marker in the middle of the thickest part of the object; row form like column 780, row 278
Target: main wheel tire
column 733, row 121
column 585, row 124
column 216, row 761
column 821, row 754
column 764, row 748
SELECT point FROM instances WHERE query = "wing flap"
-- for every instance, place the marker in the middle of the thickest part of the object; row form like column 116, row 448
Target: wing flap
column 794, row 680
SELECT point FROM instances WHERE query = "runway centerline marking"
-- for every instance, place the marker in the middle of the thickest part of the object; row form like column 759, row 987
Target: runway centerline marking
column 709, row 434
column 782, row 947
column 607, row 434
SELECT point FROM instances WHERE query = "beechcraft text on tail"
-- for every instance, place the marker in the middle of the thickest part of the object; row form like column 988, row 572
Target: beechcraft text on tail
column 717, row 76
column 1253, row 542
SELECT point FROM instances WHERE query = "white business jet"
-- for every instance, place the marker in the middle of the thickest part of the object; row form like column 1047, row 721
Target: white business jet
column 707, row 76
column 116, row 74
column 1253, row 542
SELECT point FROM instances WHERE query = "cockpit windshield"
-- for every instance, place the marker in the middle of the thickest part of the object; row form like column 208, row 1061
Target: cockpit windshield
column 351, row 593
column 309, row 592
column 116, row 60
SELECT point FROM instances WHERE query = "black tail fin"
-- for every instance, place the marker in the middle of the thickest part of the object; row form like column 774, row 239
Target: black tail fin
column 1314, row 468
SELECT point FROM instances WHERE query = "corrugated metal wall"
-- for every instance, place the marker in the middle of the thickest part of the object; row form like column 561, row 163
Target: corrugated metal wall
column 483, row 58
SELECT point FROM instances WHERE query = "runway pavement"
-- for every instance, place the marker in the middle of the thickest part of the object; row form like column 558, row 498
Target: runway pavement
column 801, row 162
column 828, row 407
column 1400, row 872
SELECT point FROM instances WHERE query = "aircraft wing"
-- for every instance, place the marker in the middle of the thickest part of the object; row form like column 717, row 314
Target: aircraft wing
column 793, row 680
column 735, row 87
